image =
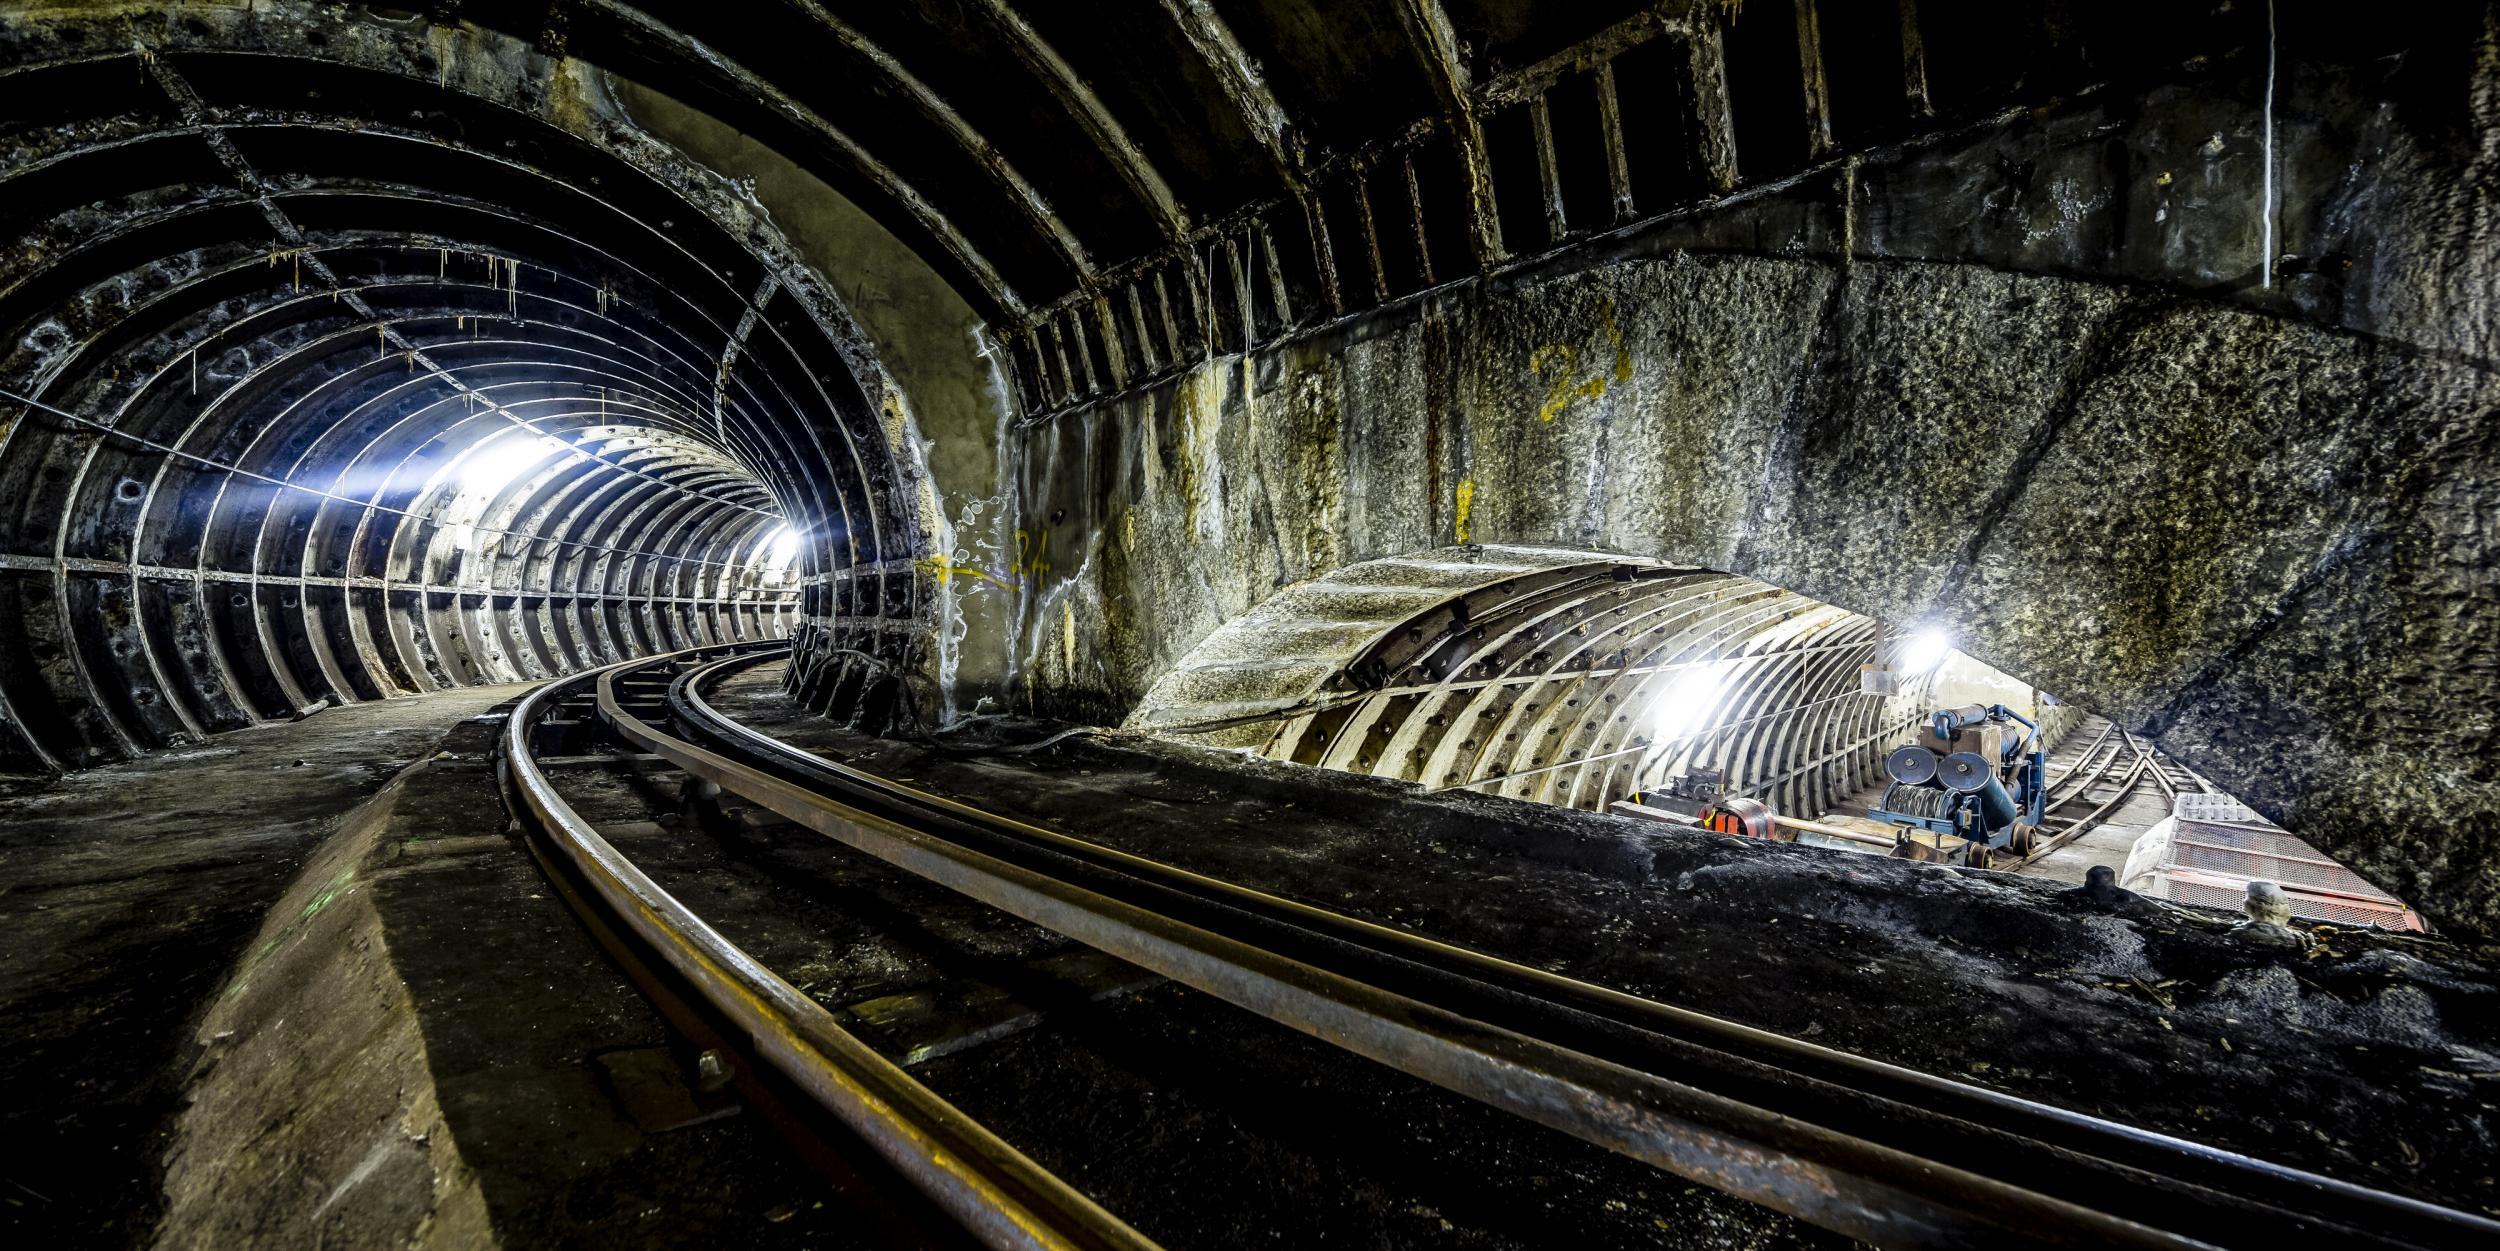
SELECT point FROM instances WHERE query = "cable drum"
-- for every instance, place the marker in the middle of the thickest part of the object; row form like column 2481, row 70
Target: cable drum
column 1917, row 801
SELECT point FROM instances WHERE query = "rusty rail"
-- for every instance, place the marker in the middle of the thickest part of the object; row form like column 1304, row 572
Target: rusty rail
column 1001, row 1197
column 1891, row 1155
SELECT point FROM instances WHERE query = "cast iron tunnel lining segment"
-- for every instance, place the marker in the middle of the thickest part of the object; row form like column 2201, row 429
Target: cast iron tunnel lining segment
column 254, row 368
column 1572, row 678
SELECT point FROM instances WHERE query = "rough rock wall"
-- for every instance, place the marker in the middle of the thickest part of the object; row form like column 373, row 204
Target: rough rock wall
column 2031, row 385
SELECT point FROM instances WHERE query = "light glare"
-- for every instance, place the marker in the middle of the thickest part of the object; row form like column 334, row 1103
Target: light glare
column 785, row 548
column 1924, row 651
column 493, row 467
column 1685, row 707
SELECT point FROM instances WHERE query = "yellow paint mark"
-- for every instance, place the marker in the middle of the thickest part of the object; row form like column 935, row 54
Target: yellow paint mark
column 1032, row 555
column 1466, row 505
column 1067, row 634
column 1128, row 530
column 1564, row 390
column 1564, row 361
column 946, row 570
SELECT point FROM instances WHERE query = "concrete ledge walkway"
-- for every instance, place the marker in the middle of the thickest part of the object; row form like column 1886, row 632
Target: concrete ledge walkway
column 126, row 894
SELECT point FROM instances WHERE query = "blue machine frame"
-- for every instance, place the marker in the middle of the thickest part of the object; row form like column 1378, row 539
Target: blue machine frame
column 1969, row 798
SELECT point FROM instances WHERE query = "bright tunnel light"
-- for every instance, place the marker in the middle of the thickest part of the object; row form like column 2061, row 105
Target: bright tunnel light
column 785, row 547
column 1685, row 706
column 1924, row 651
column 493, row 467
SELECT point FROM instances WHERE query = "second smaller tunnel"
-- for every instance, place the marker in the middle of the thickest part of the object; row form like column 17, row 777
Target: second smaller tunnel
column 1568, row 678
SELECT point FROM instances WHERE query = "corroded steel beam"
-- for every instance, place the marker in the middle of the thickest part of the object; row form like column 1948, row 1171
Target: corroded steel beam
column 1082, row 103
column 1436, row 46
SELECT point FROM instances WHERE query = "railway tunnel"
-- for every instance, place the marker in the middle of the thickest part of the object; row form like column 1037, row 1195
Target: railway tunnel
column 1186, row 623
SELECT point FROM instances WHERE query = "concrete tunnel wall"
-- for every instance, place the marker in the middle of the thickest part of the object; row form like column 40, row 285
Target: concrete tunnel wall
column 2252, row 521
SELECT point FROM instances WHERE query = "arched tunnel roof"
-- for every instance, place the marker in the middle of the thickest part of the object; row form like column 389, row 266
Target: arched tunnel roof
column 1116, row 187
column 1558, row 676
column 337, row 372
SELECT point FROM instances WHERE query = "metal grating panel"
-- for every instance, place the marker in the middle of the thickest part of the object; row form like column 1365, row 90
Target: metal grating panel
column 2226, row 893
column 2209, row 806
column 2220, row 846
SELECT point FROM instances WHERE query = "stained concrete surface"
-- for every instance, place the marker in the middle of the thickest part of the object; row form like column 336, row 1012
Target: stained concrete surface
column 126, row 893
column 2232, row 532
column 2369, row 1057
column 2013, row 382
column 419, row 1051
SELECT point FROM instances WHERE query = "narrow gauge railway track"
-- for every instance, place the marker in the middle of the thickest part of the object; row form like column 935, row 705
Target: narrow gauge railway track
column 1000, row 1196
column 1194, row 1122
column 1892, row 1155
column 2098, row 769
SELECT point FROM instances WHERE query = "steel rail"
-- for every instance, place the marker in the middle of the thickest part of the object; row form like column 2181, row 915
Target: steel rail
column 2074, row 782
column 1893, row 1155
column 2067, row 789
column 1002, row 1197
column 1859, row 1187
column 2153, row 768
column 2084, row 824
column 2090, row 752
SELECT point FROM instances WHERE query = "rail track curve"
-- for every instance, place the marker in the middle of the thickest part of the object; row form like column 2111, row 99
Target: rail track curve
column 1888, row 1154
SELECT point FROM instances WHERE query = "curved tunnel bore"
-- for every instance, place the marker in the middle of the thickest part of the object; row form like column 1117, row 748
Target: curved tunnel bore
column 350, row 351
column 1583, row 680
column 1565, row 678
column 327, row 383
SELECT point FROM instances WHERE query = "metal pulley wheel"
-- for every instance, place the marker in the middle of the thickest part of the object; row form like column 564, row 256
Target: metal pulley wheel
column 1964, row 771
column 1911, row 764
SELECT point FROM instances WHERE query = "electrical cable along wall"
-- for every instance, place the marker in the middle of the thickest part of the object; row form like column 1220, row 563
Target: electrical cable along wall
column 327, row 374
